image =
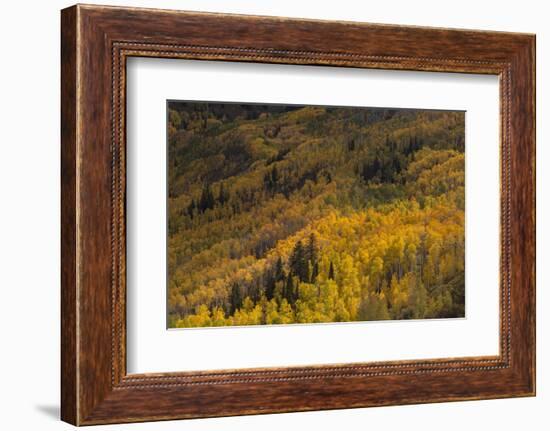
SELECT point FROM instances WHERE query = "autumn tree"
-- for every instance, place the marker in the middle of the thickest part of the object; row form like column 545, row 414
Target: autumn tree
column 308, row 214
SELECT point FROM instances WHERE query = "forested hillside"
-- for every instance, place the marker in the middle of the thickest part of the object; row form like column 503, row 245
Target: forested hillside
column 293, row 214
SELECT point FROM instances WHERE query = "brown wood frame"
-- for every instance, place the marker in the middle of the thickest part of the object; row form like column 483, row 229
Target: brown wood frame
column 95, row 43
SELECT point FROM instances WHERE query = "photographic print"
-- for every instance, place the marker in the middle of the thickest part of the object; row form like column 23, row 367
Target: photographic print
column 293, row 214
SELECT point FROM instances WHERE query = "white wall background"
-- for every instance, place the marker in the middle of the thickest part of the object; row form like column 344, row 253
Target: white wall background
column 29, row 215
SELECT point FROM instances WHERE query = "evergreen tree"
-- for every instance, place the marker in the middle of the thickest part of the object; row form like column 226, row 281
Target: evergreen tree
column 207, row 198
column 396, row 164
column 267, row 181
column 271, row 180
column 372, row 170
column 274, row 176
column 289, row 289
column 315, row 272
column 270, row 284
column 295, row 293
column 375, row 169
column 205, row 117
column 279, row 270
column 191, row 208
column 223, row 195
column 254, row 291
column 309, row 272
column 236, row 299
column 331, row 271
column 351, row 144
column 298, row 262
column 312, row 249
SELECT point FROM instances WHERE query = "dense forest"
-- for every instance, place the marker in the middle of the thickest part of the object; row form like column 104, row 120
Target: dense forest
column 304, row 214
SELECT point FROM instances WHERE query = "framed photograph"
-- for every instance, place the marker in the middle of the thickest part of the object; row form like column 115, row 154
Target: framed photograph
column 266, row 215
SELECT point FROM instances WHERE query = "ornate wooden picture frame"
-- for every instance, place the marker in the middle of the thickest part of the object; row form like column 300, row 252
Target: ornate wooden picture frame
column 96, row 41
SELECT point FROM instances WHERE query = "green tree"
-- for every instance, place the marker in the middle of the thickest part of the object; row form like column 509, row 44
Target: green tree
column 223, row 195
column 279, row 270
column 270, row 284
column 290, row 289
column 207, row 200
column 312, row 248
column 236, row 299
column 298, row 262
column 315, row 272
column 331, row 271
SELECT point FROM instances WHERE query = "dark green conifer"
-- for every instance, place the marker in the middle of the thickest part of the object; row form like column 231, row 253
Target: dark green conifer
column 331, row 271
column 236, row 299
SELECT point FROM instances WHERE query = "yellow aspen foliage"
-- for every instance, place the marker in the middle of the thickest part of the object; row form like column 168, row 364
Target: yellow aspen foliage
column 281, row 215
